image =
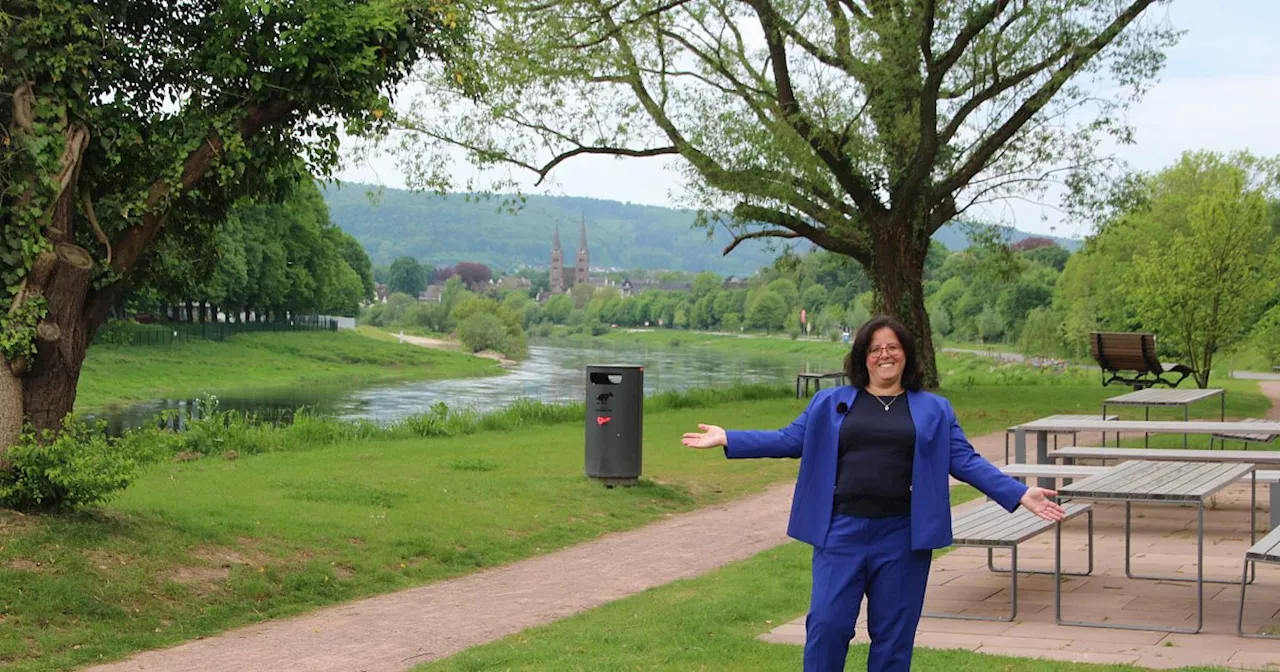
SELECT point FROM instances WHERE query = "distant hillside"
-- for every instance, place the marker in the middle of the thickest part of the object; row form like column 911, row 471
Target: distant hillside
column 449, row 229
column 955, row 237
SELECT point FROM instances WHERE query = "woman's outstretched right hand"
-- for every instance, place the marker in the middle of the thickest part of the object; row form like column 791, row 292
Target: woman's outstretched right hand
column 711, row 436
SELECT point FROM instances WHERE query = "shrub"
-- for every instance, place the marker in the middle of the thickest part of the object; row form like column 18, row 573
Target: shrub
column 75, row 467
column 482, row 331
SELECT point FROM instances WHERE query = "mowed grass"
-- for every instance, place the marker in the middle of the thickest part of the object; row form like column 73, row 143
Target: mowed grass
column 197, row 547
column 708, row 623
column 194, row 548
column 119, row 374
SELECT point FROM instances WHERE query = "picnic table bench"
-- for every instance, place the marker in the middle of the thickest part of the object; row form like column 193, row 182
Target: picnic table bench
column 817, row 379
column 991, row 527
column 1245, row 438
column 1130, row 358
column 1148, row 482
column 1153, row 398
column 1267, row 458
column 1266, row 550
column 1045, row 426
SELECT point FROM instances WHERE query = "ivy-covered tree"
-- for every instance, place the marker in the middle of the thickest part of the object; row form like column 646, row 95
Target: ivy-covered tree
column 862, row 126
column 127, row 123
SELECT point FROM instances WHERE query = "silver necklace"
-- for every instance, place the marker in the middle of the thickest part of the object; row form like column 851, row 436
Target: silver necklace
column 881, row 400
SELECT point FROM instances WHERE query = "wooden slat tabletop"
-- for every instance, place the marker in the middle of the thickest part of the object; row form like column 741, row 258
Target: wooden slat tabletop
column 1151, row 426
column 1155, row 397
column 1262, row 457
column 1142, row 480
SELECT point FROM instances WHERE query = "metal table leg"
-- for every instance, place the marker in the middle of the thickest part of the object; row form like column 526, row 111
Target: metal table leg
column 1200, row 581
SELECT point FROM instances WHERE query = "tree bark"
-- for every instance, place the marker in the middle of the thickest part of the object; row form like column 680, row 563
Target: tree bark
column 49, row 386
column 897, row 274
column 10, row 407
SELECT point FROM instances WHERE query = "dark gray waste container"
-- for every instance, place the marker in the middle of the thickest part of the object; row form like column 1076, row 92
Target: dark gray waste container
column 615, row 410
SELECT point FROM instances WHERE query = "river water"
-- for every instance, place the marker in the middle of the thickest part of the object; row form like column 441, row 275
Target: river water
column 552, row 373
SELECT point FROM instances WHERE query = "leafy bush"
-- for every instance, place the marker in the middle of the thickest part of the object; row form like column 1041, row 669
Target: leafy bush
column 76, row 467
column 482, row 331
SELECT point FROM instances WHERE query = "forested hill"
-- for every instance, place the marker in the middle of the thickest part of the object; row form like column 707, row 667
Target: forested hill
column 449, row 229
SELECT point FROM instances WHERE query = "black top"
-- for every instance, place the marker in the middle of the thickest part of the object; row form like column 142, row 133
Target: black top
column 873, row 474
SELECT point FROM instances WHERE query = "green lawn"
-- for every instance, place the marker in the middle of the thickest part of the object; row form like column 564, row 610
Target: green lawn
column 121, row 374
column 197, row 547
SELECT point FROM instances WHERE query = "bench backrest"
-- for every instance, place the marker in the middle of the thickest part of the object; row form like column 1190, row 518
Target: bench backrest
column 1125, row 351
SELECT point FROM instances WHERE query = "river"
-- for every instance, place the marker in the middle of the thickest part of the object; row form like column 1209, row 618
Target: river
column 551, row 373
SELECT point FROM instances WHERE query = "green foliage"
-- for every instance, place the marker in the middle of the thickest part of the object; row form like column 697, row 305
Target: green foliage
column 69, row 469
column 18, row 328
column 1203, row 288
column 159, row 120
column 483, row 331
column 407, row 276
column 768, row 312
column 267, row 257
column 861, row 131
column 1266, row 336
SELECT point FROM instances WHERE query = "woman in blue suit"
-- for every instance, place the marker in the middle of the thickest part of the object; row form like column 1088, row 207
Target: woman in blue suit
column 872, row 496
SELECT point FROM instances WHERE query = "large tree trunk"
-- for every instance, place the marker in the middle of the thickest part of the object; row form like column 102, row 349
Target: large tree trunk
column 49, row 386
column 897, row 274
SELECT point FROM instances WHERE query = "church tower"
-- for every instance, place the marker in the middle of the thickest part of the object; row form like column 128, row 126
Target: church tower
column 557, row 264
column 582, row 269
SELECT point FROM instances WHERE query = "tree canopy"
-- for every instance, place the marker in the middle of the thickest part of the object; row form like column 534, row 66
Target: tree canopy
column 132, row 126
column 860, row 126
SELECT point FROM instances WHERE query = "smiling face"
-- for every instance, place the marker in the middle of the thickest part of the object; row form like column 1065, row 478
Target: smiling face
column 886, row 360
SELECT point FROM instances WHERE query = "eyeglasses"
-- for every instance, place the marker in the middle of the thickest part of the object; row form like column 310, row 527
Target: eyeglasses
column 881, row 350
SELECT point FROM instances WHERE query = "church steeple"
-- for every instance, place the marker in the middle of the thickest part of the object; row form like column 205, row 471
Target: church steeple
column 557, row 264
column 582, row 265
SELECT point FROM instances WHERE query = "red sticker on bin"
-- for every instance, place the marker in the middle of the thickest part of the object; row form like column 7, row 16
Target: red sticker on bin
column 603, row 419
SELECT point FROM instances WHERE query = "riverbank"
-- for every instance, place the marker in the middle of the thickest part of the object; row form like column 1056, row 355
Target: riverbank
column 118, row 375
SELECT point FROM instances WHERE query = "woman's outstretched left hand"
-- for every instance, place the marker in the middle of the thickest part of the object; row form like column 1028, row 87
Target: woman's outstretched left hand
column 1036, row 500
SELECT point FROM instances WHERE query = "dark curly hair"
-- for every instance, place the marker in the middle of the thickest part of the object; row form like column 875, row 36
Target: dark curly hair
column 855, row 363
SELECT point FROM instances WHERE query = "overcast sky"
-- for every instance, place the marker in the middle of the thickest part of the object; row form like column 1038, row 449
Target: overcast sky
column 1220, row 90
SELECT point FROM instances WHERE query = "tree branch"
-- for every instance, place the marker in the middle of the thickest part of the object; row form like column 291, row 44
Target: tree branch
column 823, row 143
column 135, row 239
column 738, row 239
column 1040, row 98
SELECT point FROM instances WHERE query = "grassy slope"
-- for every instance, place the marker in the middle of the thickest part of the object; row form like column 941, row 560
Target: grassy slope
column 115, row 375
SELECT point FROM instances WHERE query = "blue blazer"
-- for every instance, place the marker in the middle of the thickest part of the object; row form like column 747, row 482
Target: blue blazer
column 941, row 449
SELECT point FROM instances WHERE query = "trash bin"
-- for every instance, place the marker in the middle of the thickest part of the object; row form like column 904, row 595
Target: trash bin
column 615, row 410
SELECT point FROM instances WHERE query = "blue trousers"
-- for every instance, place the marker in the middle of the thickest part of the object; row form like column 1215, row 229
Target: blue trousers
column 870, row 556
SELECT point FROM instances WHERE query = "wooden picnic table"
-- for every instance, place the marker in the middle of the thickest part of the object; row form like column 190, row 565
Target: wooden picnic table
column 1148, row 482
column 1045, row 426
column 1155, row 398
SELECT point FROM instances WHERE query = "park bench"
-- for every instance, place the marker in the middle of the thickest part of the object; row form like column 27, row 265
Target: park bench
column 989, row 526
column 1266, row 550
column 1269, row 476
column 1130, row 358
column 1245, row 438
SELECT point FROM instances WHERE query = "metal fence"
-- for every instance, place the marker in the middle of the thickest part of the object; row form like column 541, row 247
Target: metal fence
column 132, row 333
